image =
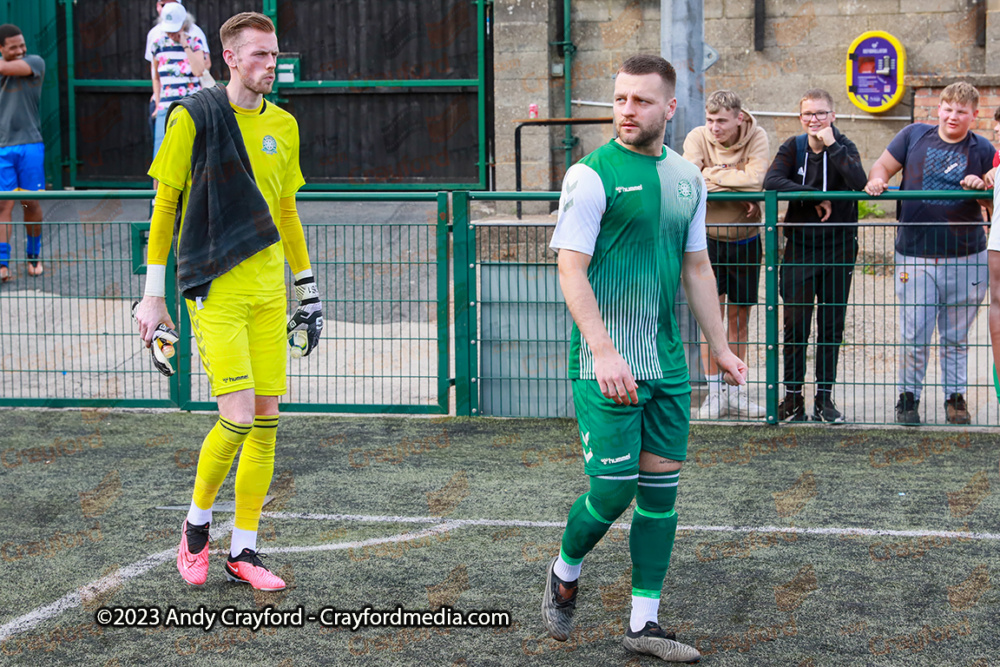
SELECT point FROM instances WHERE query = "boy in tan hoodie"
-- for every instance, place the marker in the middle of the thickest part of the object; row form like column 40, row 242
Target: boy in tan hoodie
column 732, row 153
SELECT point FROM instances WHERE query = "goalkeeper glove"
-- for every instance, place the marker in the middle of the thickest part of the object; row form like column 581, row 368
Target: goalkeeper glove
column 307, row 320
column 162, row 346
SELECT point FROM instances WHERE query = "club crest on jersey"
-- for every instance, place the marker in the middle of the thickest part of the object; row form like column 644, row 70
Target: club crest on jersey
column 270, row 145
column 904, row 277
column 685, row 190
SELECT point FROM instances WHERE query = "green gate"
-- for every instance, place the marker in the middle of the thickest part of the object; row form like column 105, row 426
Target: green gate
column 404, row 108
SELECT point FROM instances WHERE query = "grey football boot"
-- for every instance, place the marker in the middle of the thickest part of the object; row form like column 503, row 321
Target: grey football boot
column 654, row 640
column 557, row 613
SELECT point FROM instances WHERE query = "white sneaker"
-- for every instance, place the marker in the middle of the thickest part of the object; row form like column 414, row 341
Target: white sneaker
column 714, row 407
column 741, row 405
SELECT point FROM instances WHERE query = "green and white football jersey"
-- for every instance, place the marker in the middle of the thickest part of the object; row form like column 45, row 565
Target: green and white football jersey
column 636, row 216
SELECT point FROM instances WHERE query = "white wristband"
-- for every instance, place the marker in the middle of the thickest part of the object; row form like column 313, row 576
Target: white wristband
column 156, row 280
column 304, row 273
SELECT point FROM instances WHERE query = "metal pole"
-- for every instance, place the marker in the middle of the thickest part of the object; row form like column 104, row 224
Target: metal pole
column 682, row 42
column 71, row 90
column 464, row 274
column 771, row 302
column 481, row 95
column 570, row 141
column 517, row 164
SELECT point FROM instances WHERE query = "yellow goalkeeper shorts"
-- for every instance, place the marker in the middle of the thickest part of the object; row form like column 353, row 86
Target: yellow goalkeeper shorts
column 242, row 341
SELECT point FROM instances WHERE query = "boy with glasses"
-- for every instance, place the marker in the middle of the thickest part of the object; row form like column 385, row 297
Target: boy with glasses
column 820, row 249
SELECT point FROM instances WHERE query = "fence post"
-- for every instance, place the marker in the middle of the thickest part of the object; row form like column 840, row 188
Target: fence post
column 444, row 339
column 466, row 387
column 771, row 302
column 180, row 382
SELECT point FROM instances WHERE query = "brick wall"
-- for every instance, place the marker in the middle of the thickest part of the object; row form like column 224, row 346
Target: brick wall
column 927, row 92
column 805, row 46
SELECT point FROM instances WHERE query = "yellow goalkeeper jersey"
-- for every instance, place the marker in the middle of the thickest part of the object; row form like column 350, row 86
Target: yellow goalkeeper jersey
column 271, row 137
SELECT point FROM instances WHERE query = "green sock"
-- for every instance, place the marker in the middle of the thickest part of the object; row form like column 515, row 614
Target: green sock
column 593, row 513
column 654, row 524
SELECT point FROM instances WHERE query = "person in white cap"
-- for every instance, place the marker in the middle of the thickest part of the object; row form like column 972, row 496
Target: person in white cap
column 177, row 50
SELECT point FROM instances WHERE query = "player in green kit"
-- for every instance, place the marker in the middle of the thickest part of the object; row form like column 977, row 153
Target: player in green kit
column 631, row 229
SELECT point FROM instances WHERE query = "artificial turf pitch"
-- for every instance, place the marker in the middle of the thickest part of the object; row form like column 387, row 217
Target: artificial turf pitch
column 799, row 546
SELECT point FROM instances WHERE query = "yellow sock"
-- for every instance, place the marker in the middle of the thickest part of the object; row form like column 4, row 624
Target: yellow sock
column 216, row 457
column 253, row 475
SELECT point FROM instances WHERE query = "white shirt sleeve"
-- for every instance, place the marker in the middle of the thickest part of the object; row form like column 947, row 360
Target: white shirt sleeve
column 197, row 32
column 994, row 241
column 696, row 232
column 581, row 207
column 151, row 37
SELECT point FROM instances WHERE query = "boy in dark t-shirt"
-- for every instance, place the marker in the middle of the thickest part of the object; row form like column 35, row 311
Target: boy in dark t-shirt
column 941, row 275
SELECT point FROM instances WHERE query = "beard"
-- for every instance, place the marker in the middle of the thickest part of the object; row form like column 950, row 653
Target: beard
column 646, row 137
column 260, row 86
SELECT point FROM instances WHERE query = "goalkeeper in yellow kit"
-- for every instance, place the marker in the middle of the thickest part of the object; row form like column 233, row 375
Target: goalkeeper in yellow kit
column 231, row 160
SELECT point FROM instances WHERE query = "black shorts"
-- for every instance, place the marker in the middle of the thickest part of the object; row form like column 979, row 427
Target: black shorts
column 737, row 268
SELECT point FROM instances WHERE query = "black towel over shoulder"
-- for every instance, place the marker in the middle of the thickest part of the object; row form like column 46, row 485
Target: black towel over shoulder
column 227, row 219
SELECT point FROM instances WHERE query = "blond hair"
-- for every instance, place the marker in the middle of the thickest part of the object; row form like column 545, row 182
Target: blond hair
column 723, row 99
column 231, row 32
column 961, row 92
column 817, row 94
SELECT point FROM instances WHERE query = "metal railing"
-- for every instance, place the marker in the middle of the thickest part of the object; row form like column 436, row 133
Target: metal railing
column 517, row 364
column 66, row 338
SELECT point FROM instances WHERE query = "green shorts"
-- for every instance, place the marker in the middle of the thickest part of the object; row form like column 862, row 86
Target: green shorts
column 613, row 435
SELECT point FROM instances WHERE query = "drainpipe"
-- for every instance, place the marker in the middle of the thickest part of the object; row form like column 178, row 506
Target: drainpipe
column 564, row 42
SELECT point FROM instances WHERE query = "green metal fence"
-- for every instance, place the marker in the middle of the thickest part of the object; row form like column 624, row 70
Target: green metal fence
column 383, row 259
column 517, row 362
column 67, row 338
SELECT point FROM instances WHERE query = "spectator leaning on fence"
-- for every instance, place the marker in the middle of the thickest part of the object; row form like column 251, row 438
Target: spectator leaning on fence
column 731, row 151
column 941, row 275
column 178, row 63
column 191, row 28
column 818, row 264
column 22, row 152
column 631, row 228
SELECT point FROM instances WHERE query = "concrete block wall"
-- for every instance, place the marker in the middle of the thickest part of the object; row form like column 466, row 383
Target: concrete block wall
column 605, row 32
column 805, row 46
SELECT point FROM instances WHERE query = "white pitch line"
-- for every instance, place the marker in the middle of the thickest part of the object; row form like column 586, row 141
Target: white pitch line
column 338, row 546
column 378, row 518
column 73, row 599
column 866, row 532
column 512, row 523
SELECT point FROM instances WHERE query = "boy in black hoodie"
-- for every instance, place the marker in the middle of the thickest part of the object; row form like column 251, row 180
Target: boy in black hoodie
column 818, row 264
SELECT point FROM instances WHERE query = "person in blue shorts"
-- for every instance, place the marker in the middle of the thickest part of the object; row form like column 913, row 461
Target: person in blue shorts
column 22, row 153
